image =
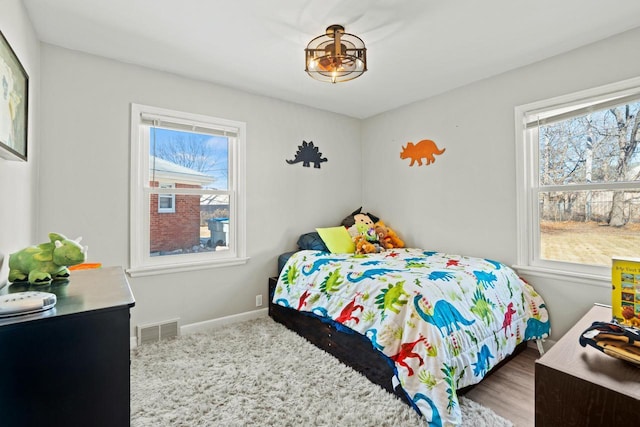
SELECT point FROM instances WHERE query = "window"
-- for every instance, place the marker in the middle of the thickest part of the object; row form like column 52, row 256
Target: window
column 166, row 202
column 187, row 191
column 579, row 182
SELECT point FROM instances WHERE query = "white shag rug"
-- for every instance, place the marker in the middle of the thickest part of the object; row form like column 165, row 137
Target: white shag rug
column 259, row 373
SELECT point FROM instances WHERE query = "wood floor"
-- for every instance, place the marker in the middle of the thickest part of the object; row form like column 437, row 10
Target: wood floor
column 510, row 390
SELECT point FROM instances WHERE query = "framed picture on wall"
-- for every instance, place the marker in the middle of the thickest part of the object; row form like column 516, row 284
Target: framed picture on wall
column 14, row 96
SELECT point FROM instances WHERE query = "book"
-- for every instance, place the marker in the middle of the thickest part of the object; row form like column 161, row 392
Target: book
column 625, row 292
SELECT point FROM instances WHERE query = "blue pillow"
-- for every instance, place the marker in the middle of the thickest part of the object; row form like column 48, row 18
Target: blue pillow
column 312, row 241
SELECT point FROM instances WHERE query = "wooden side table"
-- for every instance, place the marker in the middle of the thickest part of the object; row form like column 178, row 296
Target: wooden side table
column 69, row 366
column 580, row 386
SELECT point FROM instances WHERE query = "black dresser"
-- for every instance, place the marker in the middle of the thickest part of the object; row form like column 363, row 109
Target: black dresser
column 69, row 366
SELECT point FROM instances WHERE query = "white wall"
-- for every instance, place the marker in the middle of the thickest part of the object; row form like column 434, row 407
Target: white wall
column 18, row 195
column 84, row 188
column 466, row 201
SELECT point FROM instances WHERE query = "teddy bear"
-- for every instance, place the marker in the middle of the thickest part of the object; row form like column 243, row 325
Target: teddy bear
column 365, row 239
column 363, row 246
column 387, row 237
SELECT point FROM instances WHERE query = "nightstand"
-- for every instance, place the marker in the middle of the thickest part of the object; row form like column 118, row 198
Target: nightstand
column 580, row 386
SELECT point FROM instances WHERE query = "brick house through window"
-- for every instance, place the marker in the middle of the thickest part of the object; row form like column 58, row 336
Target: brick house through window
column 174, row 228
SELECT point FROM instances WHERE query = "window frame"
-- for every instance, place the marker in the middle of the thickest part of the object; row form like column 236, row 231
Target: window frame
column 141, row 261
column 528, row 189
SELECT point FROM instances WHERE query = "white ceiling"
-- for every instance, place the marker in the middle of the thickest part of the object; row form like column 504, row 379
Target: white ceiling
column 415, row 48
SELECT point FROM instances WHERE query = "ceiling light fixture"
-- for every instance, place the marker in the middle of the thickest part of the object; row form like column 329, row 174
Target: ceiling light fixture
column 335, row 56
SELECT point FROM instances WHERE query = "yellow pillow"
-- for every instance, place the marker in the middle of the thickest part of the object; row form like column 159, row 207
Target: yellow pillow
column 337, row 239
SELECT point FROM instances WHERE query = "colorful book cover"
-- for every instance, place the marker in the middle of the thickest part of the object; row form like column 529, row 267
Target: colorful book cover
column 625, row 298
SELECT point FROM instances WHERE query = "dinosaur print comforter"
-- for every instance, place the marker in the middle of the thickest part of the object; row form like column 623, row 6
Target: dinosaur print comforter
column 444, row 320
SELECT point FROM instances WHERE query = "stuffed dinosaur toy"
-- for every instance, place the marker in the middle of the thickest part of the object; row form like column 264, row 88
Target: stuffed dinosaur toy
column 39, row 265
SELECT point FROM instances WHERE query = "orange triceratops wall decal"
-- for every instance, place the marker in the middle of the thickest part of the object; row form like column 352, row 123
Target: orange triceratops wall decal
column 425, row 148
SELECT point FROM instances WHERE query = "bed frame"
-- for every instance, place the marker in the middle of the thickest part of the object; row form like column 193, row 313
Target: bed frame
column 350, row 347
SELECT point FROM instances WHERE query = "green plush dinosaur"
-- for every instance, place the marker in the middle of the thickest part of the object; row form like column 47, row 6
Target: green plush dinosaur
column 41, row 264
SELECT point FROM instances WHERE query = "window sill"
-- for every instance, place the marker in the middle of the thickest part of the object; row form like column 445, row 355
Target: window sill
column 179, row 268
column 563, row 275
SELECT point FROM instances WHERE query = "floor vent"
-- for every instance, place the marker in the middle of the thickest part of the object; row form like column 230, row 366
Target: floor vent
column 155, row 332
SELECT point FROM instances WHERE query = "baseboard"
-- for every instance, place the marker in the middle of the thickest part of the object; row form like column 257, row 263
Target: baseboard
column 207, row 325
column 223, row 321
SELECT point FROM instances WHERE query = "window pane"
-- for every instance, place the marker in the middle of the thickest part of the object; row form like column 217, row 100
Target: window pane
column 166, row 202
column 596, row 147
column 189, row 157
column 574, row 226
column 197, row 225
column 188, row 223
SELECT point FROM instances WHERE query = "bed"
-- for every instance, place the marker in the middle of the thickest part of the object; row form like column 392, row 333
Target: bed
column 422, row 324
